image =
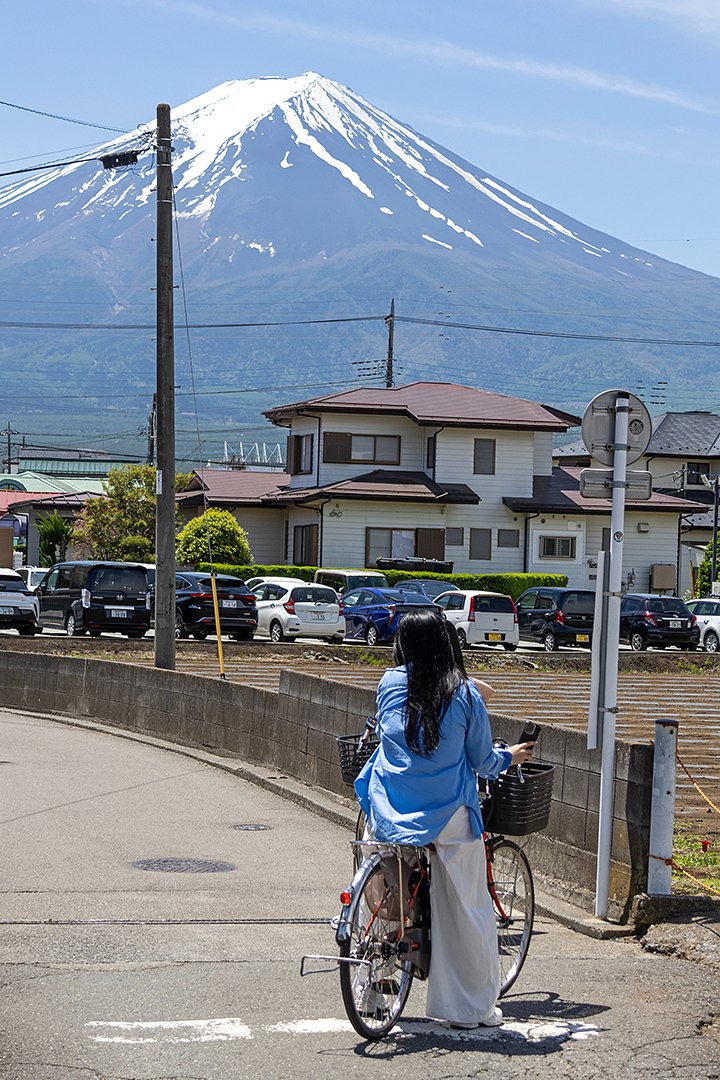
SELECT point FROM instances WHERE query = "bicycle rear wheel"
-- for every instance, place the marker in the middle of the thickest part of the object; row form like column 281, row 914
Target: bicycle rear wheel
column 360, row 826
column 513, row 895
column 375, row 991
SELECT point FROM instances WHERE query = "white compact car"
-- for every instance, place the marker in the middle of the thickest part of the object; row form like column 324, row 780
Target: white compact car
column 481, row 618
column 707, row 613
column 32, row 575
column 254, row 581
column 19, row 608
column 288, row 610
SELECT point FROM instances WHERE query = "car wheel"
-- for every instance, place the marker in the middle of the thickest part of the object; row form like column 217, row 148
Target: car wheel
column 199, row 635
column 26, row 631
column 549, row 642
column 371, row 635
column 688, row 648
column 243, row 635
column 638, row 642
column 509, row 647
column 277, row 633
column 180, row 631
column 462, row 638
column 711, row 641
column 70, row 627
column 135, row 633
column 94, row 633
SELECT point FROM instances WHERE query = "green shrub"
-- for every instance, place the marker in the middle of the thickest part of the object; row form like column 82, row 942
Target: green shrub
column 305, row 573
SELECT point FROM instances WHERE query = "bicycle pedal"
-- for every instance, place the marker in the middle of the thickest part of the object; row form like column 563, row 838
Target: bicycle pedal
column 335, row 922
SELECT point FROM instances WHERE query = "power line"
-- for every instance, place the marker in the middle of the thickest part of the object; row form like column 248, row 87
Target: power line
column 66, row 119
column 189, row 326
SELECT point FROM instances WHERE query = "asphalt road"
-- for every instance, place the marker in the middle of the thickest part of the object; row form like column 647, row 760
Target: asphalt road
column 112, row 972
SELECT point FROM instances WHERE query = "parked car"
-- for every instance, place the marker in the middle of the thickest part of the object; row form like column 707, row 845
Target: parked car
column 375, row 614
column 286, row 610
column 195, row 611
column 707, row 613
column 481, row 618
column 343, row 580
column 95, row 597
column 19, row 608
column 253, row 581
column 649, row 619
column 430, row 588
column 32, row 575
column 556, row 617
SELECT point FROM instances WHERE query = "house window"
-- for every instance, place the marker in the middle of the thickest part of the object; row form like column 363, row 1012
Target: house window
column 455, row 537
column 557, row 547
column 508, row 538
column 484, row 457
column 342, row 448
column 694, row 472
column 481, row 544
column 430, row 452
column 305, row 545
column 299, row 454
column 403, row 544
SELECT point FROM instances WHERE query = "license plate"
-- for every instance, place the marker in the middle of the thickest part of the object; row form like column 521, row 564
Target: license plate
column 229, row 603
column 675, row 624
column 118, row 613
column 582, row 637
column 494, row 637
column 7, row 611
column 317, row 616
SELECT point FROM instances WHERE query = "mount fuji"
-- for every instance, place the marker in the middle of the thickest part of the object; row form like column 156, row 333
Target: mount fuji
column 298, row 201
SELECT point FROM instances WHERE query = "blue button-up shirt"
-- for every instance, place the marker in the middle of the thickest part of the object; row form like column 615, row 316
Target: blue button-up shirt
column 410, row 798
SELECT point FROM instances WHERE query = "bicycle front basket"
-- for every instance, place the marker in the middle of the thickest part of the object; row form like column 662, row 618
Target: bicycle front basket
column 521, row 808
column 354, row 751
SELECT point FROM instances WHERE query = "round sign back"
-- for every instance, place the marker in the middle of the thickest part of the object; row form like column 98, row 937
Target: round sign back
column 598, row 426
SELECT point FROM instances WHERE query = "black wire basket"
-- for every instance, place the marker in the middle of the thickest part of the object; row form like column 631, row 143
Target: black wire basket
column 354, row 751
column 518, row 808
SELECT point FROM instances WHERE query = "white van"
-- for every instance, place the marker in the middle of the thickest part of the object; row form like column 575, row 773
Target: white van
column 343, row 580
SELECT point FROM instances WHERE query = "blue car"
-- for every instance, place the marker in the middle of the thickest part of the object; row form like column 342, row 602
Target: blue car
column 373, row 615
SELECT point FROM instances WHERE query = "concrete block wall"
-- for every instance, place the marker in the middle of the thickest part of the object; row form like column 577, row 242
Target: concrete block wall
column 294, row 731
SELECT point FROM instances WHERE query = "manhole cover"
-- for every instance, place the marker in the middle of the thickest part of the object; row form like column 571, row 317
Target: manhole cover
column 184, row 866
column 251, row 827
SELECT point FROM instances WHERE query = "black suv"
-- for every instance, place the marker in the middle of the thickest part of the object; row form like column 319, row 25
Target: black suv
column 556, row 616
column 82, row 597
column 649, row 619
column 195, row 613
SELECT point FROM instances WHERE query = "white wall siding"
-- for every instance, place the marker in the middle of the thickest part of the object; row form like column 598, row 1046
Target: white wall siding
column 266, row 532
column 514, row 457
column 412, row 444
column 542, row 453
column 640, row 549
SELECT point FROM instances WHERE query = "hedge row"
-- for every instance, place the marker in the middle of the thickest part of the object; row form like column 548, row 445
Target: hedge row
column 511, row 584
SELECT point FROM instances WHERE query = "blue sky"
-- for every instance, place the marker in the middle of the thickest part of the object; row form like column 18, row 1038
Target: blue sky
column 605, row 109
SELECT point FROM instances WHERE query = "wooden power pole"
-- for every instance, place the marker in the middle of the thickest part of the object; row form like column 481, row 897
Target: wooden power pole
column 390, row 323
column 165, row 416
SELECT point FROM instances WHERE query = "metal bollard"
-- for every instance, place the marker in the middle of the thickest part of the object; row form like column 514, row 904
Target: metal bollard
column 662, row 812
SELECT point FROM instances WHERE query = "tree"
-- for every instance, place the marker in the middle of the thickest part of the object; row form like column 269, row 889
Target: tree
column 55, row 534
column 121, row 524
column 228, row 542
column 703, row 585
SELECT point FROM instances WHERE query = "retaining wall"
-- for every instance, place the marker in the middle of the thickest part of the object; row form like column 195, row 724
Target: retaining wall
column 295, row 729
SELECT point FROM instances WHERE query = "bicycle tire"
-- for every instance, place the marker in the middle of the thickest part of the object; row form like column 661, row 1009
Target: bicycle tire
column 360, row 826
column 375, row 996
column 513, row 896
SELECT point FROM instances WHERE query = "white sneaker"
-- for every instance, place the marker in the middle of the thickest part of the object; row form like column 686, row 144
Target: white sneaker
column 493, row 1019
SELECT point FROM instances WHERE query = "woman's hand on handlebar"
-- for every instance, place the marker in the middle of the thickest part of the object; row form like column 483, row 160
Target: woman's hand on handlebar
column 521, row 752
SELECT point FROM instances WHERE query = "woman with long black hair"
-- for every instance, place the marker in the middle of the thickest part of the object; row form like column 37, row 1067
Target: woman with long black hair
column 419, row 788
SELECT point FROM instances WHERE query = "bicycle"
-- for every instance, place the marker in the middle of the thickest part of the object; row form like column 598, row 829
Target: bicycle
column 383, row 931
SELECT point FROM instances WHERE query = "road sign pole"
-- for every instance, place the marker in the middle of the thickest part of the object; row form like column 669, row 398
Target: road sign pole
column 610, row 669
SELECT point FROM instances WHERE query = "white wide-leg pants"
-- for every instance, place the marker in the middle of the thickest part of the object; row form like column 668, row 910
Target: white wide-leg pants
column 464, row 974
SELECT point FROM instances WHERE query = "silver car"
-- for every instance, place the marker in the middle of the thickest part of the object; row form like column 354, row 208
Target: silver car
column 285, row 611
column 19, row 607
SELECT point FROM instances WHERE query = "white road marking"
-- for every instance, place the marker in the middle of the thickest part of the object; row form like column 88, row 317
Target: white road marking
column 228, row 1029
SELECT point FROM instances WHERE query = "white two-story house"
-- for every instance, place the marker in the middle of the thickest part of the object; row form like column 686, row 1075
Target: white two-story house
column 432, row 470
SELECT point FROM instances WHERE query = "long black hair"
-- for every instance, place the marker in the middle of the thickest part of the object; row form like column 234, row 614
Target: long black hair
column 424, row 645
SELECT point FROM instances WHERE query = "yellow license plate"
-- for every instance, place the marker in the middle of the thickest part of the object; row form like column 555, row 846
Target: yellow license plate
column 582, row 637
column 494, row 637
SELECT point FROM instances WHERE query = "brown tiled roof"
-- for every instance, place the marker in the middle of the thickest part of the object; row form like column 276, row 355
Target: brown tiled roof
column 235, row 487
column 395, row 485
column 436, row 403
column 560, row 494
column 9, row 498
column 74, row 500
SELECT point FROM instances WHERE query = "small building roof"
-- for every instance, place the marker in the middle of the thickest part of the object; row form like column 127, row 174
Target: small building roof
column 66, row 501
column 675, row 434
column 234, row 487
column 26, row 480
column 435, row 403
column 394, row 485
column 560, row 494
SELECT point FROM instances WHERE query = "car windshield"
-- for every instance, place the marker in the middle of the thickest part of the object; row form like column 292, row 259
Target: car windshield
column 430, row 588
column 222, row 582
column 579, row 603
column 313, row 594
column 502, row 604
column 370, row 581
column 10, row 583
column 668, row 605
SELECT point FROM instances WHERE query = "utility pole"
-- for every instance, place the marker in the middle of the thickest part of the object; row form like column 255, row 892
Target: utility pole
column 165, row 404
column 9, row 432
column 390, row 323
column 152, row 432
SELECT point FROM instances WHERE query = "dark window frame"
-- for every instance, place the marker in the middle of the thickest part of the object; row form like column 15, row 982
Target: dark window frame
column 480, row 537
column 305, row 544
column 554, row 539
column 484, row 457
column 338, row 450
column 504, row 534
column 455, row 543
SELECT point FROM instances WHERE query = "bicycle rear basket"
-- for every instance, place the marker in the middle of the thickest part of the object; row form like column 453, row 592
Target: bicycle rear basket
column 521, row 808
column 354, row 751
